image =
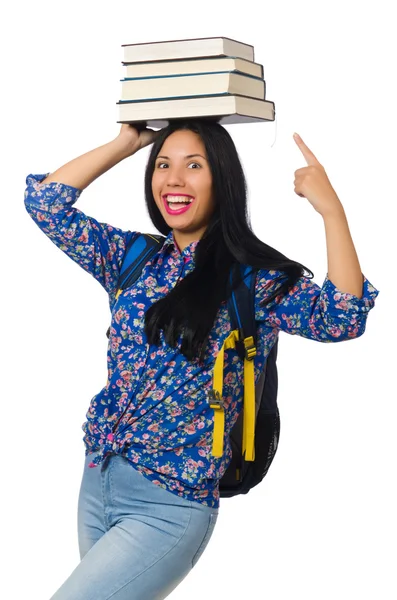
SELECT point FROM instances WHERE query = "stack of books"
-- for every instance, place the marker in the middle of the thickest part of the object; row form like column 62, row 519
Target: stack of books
column 213, row 78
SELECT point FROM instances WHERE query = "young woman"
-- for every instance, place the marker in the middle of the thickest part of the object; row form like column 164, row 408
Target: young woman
column 149, row 496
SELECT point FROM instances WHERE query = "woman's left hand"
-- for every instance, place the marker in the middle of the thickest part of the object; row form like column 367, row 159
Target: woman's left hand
column 311, row 182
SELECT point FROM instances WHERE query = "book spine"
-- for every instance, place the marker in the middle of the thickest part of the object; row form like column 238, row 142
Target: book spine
column 234, row 48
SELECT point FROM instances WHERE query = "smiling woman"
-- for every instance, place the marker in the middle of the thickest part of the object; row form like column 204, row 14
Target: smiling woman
column 148, row 511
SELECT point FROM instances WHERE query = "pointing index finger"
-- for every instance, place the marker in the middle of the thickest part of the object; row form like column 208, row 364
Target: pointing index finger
column 307, row 153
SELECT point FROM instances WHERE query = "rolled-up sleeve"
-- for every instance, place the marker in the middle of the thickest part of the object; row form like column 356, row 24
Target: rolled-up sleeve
column 324, row 314
column 97, row 247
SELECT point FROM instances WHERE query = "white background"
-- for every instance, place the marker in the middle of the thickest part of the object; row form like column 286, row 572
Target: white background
column 322, row 524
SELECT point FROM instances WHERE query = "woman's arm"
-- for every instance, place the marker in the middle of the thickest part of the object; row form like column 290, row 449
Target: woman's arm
column 343, row 267
column 49, row 198
column 338, row 310
column 97, row 247
column 324, row 314
column 312, row 182
column 84, row 169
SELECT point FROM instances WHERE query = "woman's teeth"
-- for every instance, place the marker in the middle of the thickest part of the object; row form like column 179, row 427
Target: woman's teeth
column 178, row 200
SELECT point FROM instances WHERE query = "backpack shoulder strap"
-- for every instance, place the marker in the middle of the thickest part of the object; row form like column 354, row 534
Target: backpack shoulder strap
column 243, row 337
column 241, row 307
column 140, row 248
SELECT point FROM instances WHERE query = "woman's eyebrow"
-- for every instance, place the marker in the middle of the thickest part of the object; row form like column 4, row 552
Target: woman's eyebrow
column 188, row 156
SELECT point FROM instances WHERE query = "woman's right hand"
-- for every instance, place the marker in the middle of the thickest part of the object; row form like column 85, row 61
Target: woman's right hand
column 135, row 138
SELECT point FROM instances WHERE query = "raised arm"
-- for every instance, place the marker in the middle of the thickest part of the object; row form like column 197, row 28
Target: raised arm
column 338, row 310
column 97, row 247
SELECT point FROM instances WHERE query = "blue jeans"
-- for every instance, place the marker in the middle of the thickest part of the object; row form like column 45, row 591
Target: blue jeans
column 137, row 541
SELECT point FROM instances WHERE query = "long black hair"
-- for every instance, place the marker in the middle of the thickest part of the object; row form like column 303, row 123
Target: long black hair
column 192, row 305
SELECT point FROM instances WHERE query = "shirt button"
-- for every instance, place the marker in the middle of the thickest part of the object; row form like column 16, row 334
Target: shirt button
column 185, row 259
column 110, row 437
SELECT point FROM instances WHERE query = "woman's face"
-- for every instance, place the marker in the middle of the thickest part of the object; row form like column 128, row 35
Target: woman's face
column 182, row 172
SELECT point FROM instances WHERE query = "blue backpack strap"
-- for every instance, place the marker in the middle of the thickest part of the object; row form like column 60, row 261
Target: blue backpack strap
column 139, row 250
column 241, row 306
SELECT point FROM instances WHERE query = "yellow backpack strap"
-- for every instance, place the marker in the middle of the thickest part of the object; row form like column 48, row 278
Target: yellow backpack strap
column 249, row 401
column 216, row 400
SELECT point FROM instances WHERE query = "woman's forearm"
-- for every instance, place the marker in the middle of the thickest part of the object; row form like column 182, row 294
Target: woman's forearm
column 83, row 170
column 343, row 266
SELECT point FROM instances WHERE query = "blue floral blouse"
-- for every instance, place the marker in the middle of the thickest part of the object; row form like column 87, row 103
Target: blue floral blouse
column 158, row 399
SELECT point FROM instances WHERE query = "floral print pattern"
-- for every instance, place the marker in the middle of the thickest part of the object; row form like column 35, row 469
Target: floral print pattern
column 154, row 408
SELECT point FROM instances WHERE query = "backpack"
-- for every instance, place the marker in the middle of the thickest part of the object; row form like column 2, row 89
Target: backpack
column 255, row 435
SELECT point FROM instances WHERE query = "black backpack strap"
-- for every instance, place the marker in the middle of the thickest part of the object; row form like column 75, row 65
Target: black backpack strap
column 139, row 250
column 243, row 337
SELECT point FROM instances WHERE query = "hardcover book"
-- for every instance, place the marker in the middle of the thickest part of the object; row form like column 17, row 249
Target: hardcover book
column 191, row 48
column 225, row 109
